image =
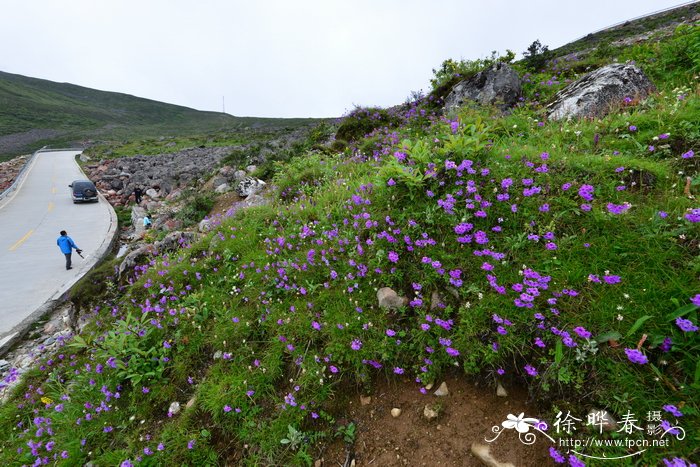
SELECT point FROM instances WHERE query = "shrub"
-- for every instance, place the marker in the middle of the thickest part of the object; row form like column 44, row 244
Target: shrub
column 536, row 56
column 196, row 208
column 362, row 121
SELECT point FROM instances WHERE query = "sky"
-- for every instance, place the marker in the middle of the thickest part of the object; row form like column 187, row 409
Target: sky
column 281, row 58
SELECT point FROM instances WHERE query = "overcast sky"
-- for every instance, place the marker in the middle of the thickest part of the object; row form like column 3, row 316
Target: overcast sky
column 281, row 58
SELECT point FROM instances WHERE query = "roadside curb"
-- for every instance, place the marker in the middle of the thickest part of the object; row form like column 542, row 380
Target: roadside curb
column 61, row 295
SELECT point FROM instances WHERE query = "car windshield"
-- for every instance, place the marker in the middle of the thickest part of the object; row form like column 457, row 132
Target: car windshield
column 82, row 185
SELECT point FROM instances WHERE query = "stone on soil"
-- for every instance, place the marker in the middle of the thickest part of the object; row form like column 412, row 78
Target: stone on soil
column 482, row 452
column 442, row 390
column 389, row 299
column 501, row 391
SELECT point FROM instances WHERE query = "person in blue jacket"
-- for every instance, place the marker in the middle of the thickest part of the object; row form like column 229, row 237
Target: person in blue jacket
column 66, row 244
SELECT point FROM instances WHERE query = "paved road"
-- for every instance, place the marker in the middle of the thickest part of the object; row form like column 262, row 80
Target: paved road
column 32, row 268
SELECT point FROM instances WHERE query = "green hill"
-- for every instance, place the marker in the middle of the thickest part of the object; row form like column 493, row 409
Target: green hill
column 36, row 112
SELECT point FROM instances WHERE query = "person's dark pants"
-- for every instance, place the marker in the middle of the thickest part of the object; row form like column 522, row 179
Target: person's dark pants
column 68, row 263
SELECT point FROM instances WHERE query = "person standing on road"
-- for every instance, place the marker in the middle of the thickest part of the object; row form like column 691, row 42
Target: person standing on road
column 137, row 195
column 66, row 244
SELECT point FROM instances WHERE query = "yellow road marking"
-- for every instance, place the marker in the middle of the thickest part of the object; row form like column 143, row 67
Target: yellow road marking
column 51, row 206
column 21, row 240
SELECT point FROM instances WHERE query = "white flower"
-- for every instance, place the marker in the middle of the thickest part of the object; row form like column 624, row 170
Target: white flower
column 520, row 423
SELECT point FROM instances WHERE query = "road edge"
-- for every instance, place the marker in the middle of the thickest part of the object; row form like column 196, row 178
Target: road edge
column 18, row 332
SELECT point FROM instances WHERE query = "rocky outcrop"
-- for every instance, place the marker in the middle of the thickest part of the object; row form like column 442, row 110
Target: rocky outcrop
column 249, row 186
column 596, row 93
column 171, row 242
column 9, row 171
column 157, row 176
column 499, row 85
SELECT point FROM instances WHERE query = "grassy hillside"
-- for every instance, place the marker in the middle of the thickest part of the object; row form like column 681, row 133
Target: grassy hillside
column 35, row 112
column 558, row 256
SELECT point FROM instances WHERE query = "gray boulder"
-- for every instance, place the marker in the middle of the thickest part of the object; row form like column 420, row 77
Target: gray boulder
column 175, row 240
column 239, row 175
column 499, row 85
column 389, row 299
column 223, row 188
column 153, row 193
column 137, row 214
column 596, row 93
column 249, row 186
column 134, row 258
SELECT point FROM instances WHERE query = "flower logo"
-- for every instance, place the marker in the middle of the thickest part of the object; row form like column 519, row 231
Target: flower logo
column 520, row 423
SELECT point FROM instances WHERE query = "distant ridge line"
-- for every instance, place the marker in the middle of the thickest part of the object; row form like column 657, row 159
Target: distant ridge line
column 637, row 18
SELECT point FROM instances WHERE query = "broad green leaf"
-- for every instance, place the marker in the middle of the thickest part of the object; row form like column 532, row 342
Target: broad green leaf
column 637, row 324
column 558, row 353
column 684, row 310
column 607, row 336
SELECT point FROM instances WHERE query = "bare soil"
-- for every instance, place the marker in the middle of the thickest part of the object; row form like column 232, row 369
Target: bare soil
column 467, row 416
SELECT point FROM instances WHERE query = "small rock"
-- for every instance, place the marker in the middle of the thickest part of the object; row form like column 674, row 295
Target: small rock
column 152, row 193
column 482, row 453
column 223, row 188
column 218, row 354
column 501, row 391
column 442, row 390
column 205, row 225
column 365, row 400
column 4, row 364
column 396, row 412
column 190, row 402
column 318, row 463
column 389, row 299
column 174, row 408
column 429, row 386
column 49, row 341
column 251, row 168
column 430, row 413
column 435, row 300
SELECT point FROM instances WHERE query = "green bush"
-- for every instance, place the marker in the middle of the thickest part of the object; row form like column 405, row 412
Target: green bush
column 196, row 208
column 363, row 121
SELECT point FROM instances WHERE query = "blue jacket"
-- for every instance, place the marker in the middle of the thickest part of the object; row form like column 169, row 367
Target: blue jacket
column 65, row 243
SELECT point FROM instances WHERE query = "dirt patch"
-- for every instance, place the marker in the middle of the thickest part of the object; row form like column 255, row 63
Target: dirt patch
column 224, row 203
column 467, row 416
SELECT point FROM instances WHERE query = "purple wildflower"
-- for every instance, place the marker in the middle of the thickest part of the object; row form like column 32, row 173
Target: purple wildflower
column 686, row 325
column 673, row 410
column 695, row 300
column 635, row 356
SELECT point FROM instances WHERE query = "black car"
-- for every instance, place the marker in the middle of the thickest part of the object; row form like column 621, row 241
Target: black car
column 83, row 191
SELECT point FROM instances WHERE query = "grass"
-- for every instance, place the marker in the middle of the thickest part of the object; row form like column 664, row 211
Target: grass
column 257, row 328
column 63, row 114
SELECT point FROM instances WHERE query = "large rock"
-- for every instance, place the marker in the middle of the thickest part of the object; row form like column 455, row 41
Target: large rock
column 596, row 93
column 134, row 258
column 249, row 186
column 389, row 299
column 175, row 240
column 499, row 85
column 137, row 215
